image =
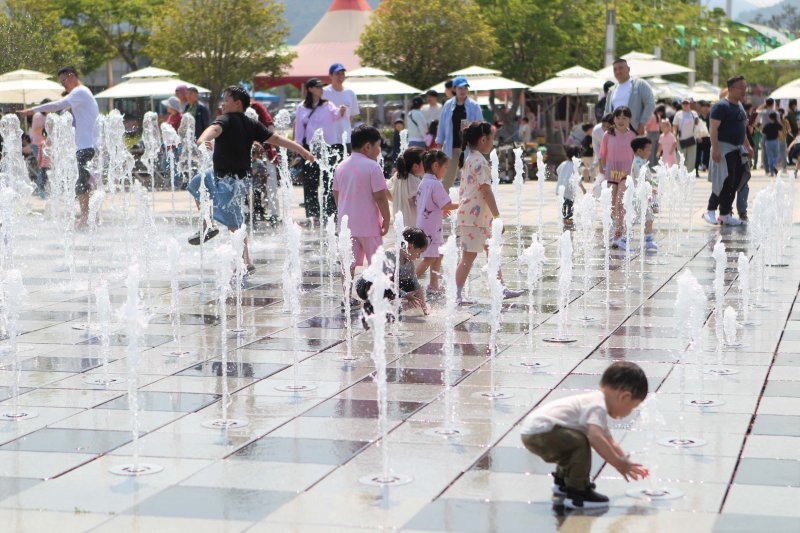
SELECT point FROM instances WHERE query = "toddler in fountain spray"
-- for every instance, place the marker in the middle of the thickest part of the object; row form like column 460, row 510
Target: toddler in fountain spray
column 564, row 172
column 433, row 204
column 564, row 432
column 642, row 147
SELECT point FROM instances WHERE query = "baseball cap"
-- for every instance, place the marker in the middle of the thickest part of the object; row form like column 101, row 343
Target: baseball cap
column 172, row 102
column 336, row 67
column 314, row 82
column 460, row 81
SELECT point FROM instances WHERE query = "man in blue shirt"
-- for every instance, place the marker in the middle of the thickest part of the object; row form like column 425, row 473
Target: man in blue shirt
column 457, row 113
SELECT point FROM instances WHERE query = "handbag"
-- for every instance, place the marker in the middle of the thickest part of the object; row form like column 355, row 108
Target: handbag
column 686, row 143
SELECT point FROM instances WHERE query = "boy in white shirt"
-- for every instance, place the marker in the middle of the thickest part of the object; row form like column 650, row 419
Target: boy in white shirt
column 564, row 432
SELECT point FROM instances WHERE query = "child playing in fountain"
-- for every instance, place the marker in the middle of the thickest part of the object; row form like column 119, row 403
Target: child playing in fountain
column 667, row 144
column 616, row 158
column 477, row 204
column 360, row 192
column 564, row 172
column 565, row 430
column 410, row 289
column 642, row 146
column 433, row 204
column 405, row 182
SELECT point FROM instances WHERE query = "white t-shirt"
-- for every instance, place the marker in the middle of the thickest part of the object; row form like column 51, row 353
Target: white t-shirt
column 416, row 125
column 622, row 96
column 685, row 123
column 345, row 97
column 83, row 107
column 573, row 412
column 431, row 113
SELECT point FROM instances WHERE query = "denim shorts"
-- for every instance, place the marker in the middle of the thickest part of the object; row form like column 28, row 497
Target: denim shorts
column 228, row 195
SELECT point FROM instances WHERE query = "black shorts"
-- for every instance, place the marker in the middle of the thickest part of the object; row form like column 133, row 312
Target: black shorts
column 84, row 183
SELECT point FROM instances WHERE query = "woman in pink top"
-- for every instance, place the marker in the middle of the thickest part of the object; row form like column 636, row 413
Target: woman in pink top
column 616, row 159
column 433, row 204
column 317, row 113
column 667, row 144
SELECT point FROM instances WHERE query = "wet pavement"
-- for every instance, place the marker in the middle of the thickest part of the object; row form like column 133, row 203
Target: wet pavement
column 296, row 465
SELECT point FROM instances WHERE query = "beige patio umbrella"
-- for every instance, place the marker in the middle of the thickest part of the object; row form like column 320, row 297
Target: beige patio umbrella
column 574, row 81
column 645, row 66
column 373, row 82
column 482, row 79
column 27, row 86
column 787, row 52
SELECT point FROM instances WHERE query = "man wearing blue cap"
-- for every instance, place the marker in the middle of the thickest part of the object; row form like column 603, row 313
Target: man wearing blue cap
column 457, row 113
column 336, row 93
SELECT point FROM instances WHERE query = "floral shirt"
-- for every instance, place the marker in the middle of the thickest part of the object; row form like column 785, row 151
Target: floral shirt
column 472, row 207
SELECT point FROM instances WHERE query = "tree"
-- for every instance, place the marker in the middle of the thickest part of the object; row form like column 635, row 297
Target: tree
column 32, row 37
column 539, row 38
column 216, row 43
column 109, row 28
column 420, row 42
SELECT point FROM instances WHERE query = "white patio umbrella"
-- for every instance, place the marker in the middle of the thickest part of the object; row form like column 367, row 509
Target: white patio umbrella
column 146, row 87
column 150, row 72
column 27, row 86
column 483, row 79
column 705, row 90
column 787, row 52
column 645, row 66
column 577, row 81
column 375, row 82
column 788, row 91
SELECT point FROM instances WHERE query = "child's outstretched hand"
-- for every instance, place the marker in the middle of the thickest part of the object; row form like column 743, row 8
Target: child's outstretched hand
column 631, row 470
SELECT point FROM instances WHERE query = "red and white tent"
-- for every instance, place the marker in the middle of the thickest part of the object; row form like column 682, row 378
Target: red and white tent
column 333, row 40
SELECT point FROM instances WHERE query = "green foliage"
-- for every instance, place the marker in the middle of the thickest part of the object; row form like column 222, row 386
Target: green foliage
column 32, row 37
column 216, row 43
column 537, row 38
column 420, row 42
column 109, row 28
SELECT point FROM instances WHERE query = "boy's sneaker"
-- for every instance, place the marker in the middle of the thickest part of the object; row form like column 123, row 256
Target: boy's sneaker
column 621, row 243
column 511, row 293
column 585, row 499
column 710, row 217
column 743, row 217
column 212, row 232
column 730, row 220
column 650, row 245
column 560, row 486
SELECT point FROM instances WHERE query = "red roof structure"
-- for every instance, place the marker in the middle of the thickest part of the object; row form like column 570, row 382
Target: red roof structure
column 334, row 39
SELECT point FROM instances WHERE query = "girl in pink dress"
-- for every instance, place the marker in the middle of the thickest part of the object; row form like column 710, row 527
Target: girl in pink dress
column 667, row 144
column 616, row 158
column 433, row 204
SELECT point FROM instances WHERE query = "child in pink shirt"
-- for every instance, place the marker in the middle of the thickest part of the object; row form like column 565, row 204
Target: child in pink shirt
column 616, row 158
column 360, row 192
column 433, row 203
column 667, row 144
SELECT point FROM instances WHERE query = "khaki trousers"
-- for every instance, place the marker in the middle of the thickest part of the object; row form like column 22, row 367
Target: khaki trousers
column 569, row 449
column 452, row 169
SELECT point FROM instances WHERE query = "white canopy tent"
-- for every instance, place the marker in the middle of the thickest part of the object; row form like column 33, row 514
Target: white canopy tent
column 577, row 81
column 787, row 52
column 483, row 79
column 645, row 66
column 27, row 86
column 374, row 82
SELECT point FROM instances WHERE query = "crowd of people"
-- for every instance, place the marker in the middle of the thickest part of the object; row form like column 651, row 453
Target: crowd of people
column 449, row 143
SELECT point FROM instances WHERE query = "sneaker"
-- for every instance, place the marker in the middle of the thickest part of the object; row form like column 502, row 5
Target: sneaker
column 511, row 293
column 651, row 246
column 730, row 220
column 212, row 232
column 250, row 270
column 710, row 217
column 433, row 293
column 585, row 499
column 462, row 300
column 743, row 217
column 560, row 487
column 621, row 243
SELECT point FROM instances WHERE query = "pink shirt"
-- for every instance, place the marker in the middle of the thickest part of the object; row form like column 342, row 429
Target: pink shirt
column 431, row 199
column 356, row 179
column 667, row 142
column 324, row 117
column 617, row 153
